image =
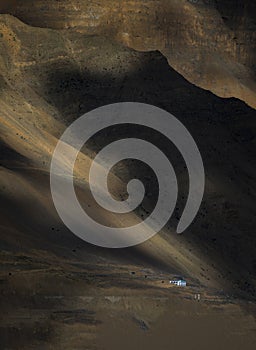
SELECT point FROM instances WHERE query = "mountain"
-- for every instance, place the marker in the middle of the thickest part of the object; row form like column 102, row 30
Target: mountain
column 210, row 42
column 54, row 285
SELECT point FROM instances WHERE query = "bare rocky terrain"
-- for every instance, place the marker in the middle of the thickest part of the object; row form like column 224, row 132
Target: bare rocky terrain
column 58, row 292
column 210, row 42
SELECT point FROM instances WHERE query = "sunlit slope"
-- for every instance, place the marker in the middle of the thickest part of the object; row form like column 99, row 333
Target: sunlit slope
column 211, row 43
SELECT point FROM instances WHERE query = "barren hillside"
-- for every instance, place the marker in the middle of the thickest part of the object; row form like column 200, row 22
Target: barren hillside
column 54, row 285
column 210, row 42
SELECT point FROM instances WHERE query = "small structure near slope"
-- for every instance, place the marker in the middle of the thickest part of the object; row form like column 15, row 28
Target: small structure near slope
column 180, row 283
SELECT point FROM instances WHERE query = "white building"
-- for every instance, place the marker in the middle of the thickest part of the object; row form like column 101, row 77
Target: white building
column 180, row 283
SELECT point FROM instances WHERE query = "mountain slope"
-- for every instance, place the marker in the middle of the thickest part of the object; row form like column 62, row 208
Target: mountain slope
column 211, row 43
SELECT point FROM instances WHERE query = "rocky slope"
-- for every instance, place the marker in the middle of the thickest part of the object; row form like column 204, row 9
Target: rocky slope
column 54, row 286
column 211, row 43
column 49, row 78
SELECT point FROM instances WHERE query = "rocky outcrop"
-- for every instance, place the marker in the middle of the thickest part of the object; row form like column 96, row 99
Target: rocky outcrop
column 211, row 43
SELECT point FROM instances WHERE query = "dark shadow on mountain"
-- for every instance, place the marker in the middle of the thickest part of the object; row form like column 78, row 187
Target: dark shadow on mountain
column 237, row 13
column 224, row 130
